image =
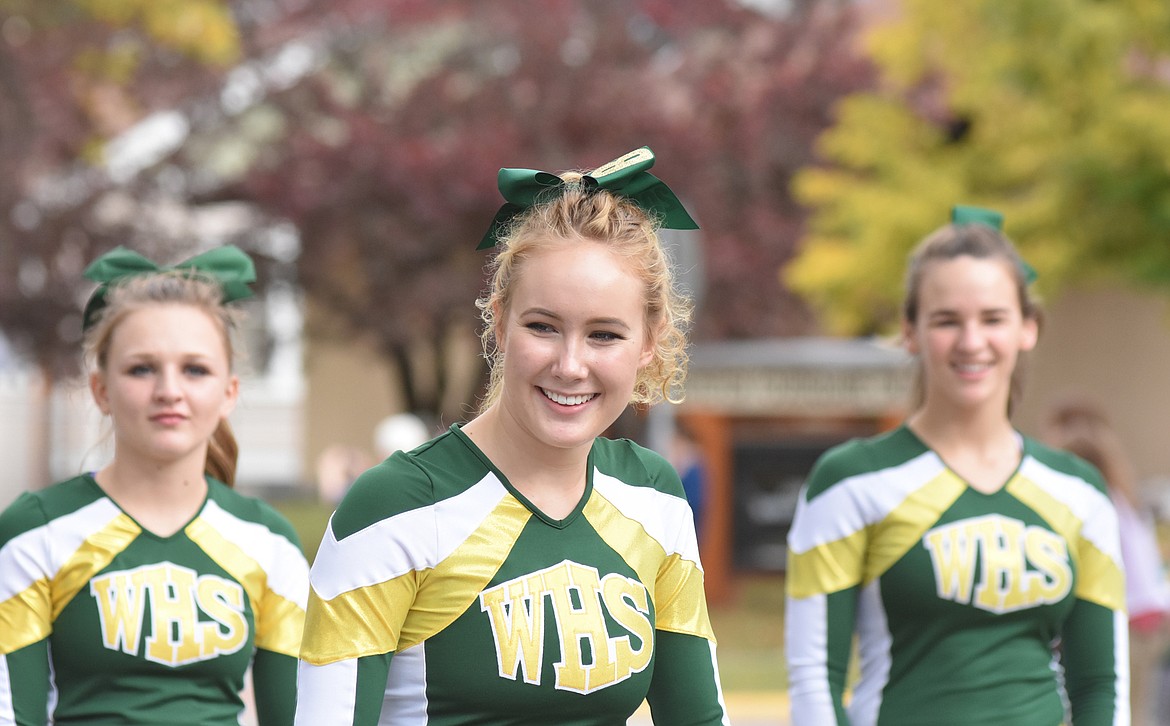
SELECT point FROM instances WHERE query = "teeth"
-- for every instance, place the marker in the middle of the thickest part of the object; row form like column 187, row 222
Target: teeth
column 568, row 400
column 972, row 367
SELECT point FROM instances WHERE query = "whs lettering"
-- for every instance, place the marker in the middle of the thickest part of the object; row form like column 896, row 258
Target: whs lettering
column 591, row 658
column 175, row 597
column 999, row 564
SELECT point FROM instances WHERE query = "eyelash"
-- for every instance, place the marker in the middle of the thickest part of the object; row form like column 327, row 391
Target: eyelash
column 953, row 323
column 191, row 369
column 606, row 336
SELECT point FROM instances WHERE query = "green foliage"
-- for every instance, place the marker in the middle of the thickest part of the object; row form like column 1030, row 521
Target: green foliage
column 1055, row 112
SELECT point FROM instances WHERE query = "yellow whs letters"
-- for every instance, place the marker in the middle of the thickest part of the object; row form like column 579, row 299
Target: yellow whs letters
column 591, row 658
column 177, row 596
column 581, row 626
column 953, row 552
column 629, row 605
column 517, row 618
column 224, row 602
column 1019, row 566
column 172, row 609
column 1048, row 553
column 1001, row 587
column 120, row 597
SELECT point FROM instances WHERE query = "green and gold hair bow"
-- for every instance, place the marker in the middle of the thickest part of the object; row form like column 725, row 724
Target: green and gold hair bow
column 964, row 214
column 625, row 176
column 229, row 267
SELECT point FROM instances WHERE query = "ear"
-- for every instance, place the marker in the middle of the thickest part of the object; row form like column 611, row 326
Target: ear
column 97, row 386
column 498, row 326
column 647, row 356
column 231, row 396
column 909, row 339
column 648, row 347
column 1029, row 333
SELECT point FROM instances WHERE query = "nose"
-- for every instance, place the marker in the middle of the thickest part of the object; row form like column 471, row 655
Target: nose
column 972, row 337
column 570, row 363
column 166, row 386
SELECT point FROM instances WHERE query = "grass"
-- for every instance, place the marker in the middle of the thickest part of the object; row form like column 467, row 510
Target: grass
column 309, row 518
column 750, row 631
column 749, row 628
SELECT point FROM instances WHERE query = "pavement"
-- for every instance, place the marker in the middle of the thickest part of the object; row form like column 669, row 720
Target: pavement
column 746, row 708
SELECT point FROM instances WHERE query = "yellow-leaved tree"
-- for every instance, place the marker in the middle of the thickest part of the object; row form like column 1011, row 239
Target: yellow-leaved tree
column 1054, row 112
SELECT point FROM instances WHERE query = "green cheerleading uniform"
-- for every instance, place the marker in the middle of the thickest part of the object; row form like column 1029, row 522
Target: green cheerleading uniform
column 102, row 622
column 441, row 596
column 1002, row 609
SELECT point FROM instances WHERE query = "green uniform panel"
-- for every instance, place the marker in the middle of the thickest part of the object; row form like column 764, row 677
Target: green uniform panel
column 1004, row 608
column 111, row 624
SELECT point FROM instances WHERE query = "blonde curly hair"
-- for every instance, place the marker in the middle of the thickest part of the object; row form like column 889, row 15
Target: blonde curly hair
column 623, row 227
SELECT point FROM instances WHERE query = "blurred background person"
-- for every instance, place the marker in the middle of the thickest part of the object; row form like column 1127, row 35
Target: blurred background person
column 686, row 456
column 399, row 432
column 958, row 550
column 1082, row 427
column 338, row 466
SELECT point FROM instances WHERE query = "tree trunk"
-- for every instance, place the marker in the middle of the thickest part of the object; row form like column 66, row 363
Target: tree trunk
column 404, row 370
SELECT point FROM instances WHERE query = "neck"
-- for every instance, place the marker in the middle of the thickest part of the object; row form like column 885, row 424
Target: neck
column 981, row 449
column 161, row 497
column 973, row 427
column 552, row 479
column 511, row 448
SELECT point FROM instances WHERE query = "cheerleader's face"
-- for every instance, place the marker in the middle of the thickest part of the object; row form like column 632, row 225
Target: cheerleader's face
column 970, row 332
column 573, row 340
column 166, row 384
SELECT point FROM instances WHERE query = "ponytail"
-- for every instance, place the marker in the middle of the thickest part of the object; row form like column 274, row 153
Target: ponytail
column 222, row 454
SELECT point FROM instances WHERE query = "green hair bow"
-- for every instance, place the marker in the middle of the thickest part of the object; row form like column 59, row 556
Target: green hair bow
column 229, row 267
column 963, row 214
column 625, row 176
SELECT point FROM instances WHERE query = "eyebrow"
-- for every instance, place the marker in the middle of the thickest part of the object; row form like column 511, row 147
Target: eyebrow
column 953, row 311
column 616, row 322
column 149, row 355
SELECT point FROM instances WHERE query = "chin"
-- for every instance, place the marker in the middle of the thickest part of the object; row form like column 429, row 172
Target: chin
column 564, row 438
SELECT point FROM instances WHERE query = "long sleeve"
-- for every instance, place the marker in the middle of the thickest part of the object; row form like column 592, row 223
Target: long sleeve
column 274, row 682
column 1095, row 638
column 362, row 585
column 280, row 622
column 819, row 623
column 826, row 556
column 685, row 689
column 348, row 643
column 25, row 616
column 24, row 686
column 1094, row 654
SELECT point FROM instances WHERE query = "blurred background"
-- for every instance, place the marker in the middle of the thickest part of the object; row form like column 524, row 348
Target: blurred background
column 351, row 147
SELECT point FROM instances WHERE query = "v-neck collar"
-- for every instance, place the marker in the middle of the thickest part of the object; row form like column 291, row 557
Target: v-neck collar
column 536, row 511
column 1023, row 454
column 181, row 531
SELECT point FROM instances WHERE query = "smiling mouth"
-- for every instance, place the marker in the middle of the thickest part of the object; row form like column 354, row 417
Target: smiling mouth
column 567, row 400
column 972, row 367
